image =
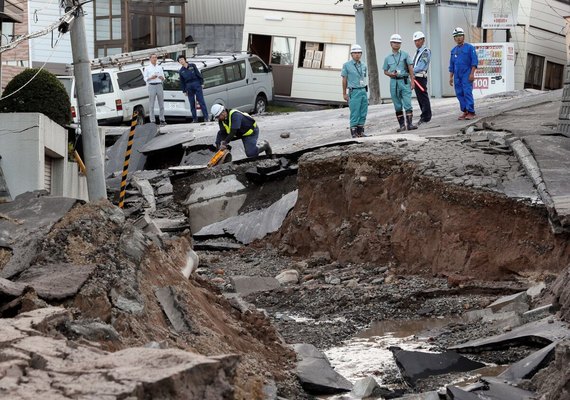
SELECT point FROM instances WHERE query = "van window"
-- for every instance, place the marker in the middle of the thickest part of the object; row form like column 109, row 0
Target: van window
column 102, row 83
column 66, row 84
column 171, row 80
column 235, row 71
column 258, row 66
column 213, row 77
column 130, row 79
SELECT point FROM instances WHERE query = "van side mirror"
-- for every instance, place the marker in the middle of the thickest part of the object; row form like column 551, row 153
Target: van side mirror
column 269, row 68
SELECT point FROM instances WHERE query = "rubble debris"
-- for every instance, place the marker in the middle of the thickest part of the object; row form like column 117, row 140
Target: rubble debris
column 168, row 300
column 253, row 225
column 528, row 366
column 491, row 388
column 115, row 155
column 416, row 365
column 315, row 372
column 544, row 331
column 561, row 292
column 365, row 387
column 36, row 363
column 147, row 192
column 27, row 220
column 553, row 381
column 217, row 245
column 4, row 191
column 245, row 285
column 288, row 276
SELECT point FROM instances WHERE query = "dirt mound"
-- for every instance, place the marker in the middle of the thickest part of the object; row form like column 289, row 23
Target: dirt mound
column 137, row 287
column 561, row 293
column 364, row 207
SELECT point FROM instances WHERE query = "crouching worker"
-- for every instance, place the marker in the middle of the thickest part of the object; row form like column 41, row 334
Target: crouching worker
column 235, row 125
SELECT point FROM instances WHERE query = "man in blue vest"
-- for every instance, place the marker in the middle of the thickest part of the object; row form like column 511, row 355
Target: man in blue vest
column 191, row 83
column 462, row 65
column 421, row 65
column 235, row 125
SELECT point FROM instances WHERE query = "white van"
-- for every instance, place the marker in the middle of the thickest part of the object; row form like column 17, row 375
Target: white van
column 119, row 91
column 241, row 81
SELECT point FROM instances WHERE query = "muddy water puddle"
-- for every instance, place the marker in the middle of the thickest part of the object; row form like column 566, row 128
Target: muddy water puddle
column 368, row 354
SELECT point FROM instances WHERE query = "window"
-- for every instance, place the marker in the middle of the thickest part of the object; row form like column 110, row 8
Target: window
column 282, row 50
column 168, row 30
column 258, row 66
column 323, row 55
column 554, row 76
column 154, row 24
column 102, row 83
column 7, row 32
column 235, row 71
column 534, row 71
column 130, row 79
column 171, row 80
column 213, row 77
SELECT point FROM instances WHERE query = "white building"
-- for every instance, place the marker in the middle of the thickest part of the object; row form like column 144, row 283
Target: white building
column 539, row 37
column 305, row 42
column 34, row 155
column 55, row 50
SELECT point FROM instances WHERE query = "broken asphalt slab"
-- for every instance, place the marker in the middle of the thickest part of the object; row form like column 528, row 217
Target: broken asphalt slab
column 544, row 331
column 254, row 225
column 245, row 285
column 315, row 372
column 416, row 365
column 528, row 366
column 168, row 301
column 51, row 282
column 56, row 367
column 490, row 389
column 24, row 223
column 115, row 155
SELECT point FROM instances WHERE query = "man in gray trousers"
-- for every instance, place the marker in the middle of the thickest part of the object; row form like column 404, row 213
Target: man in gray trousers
column 154, row 76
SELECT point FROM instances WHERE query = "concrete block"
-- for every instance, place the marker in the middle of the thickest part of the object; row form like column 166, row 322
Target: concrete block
column 475, row 315
column 564, row 110
column 537, row 313
column 515, row 302
column 214, row 210
column 213, row 188
column 536, row 290
column 504, row 319
column 364, row 387
column 245, row 285
column 288, row 276
column 566, row 92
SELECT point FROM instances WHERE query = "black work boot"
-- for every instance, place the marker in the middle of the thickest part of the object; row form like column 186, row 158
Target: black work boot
column 409, row 118
column 354, row 132
column 264, row 146
column 401, row 121
column 360, row 131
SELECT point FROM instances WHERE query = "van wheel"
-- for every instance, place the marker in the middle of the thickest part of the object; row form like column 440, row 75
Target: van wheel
column 140, row 115
column 260, row 105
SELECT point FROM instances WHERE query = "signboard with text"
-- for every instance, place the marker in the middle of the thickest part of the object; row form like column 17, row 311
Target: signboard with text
column 499, row 14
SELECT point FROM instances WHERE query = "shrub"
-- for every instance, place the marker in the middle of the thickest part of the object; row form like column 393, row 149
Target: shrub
column 44, row 94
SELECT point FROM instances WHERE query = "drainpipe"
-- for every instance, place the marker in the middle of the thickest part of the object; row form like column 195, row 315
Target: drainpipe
column 423, row 15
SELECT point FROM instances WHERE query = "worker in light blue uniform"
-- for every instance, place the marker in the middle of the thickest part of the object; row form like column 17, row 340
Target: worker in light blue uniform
column 399, row 67
column 355, row 90
column 462, row 65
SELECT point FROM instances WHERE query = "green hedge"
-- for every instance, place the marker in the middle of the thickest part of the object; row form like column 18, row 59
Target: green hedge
column 44, row 94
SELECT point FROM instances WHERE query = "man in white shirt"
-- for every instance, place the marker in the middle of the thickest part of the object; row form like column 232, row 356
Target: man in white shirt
column 154, row 75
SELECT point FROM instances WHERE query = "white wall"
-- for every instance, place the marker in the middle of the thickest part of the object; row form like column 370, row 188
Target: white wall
column 27, row 139
column 319, row 21
column 43, row 13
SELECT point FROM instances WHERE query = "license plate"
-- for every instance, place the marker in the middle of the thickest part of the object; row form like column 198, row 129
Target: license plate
column 176, row 106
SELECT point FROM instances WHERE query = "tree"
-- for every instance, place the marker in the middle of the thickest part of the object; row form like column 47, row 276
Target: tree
column 371, row 60
column 43, row 94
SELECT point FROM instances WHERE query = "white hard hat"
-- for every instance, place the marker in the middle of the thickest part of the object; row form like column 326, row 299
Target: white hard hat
column 216, row 110
column 419, row 35
column 458, row 32
column 396, row 38
column 356, row 48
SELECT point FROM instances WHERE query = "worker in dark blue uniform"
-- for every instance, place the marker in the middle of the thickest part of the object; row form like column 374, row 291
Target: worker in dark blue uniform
column 191, row 84
column 235, row 125
column 462, row 65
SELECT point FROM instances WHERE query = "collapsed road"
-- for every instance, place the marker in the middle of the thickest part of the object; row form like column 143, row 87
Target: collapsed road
column 432, row 265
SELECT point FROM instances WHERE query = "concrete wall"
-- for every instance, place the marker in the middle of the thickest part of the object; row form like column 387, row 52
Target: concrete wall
column 27, row 139
column 319, row 21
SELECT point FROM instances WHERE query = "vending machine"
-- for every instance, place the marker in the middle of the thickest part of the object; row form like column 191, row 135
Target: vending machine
column 496, row 70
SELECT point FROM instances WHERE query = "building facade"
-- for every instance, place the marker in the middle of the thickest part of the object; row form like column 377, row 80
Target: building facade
column 217, row 25
column 306, row 44
column 13, row 15
column 538, row 36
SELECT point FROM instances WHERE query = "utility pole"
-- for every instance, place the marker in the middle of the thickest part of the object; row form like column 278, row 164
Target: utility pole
column 423, row 15
column 87, row 111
